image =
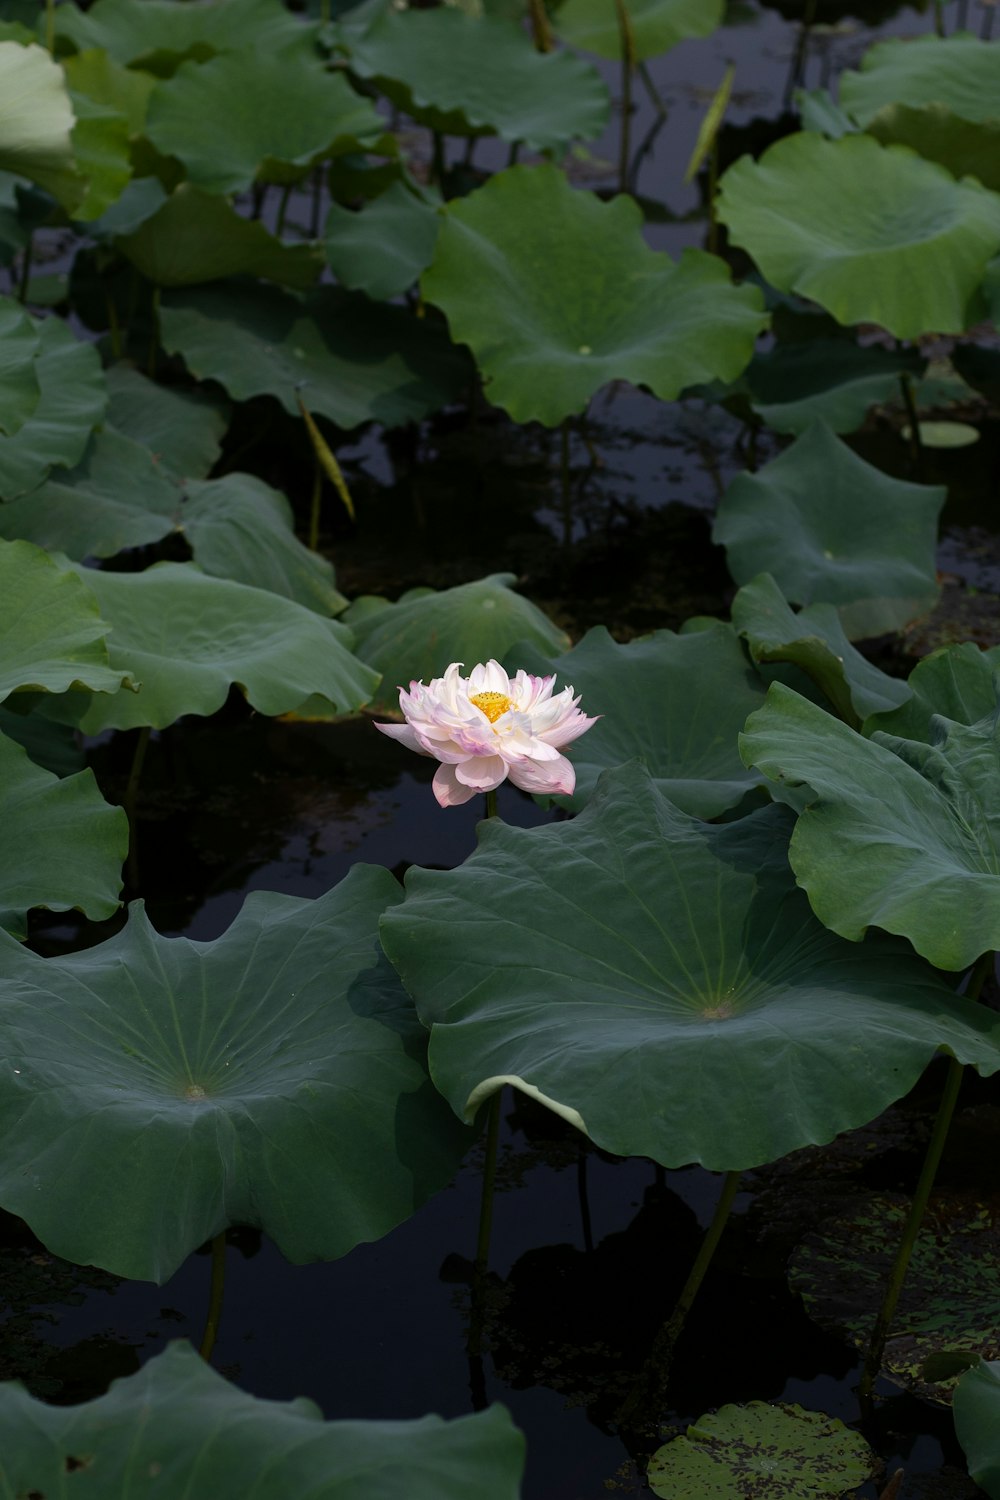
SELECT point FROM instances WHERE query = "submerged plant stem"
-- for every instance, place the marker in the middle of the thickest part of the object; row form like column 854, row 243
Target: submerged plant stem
column 215, row 1296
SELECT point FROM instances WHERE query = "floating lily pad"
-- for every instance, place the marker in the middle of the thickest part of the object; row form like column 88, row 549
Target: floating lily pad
column 803, row 211
column 902, row 835
column 637, row 954
column 424, row 631
column 606, row 307
column 51, row 631
column 382, row 248
column 195, row 237
column 833, row 529
column 951, row 1297
column 258, row 115
column 72, row 400
column 656, row 25
column 814, row 640
column 19, row 389
column 740, row 1450
column 678, row 701
column 977, row 1422
column 835, row 380
column 160, row 33
column 63, row 845
column 469, row 74
column 189, row 638
column 955, row 682
column 351, row 360
column 273, row 1077
column 181, row 1422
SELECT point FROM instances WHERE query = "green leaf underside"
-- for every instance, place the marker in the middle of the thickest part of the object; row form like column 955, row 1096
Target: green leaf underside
column 901, row 835
column 482, row 74
column 556, row 294
column 423, row 632
column 678, row 701
column 351, row 360
column 955, row 682
column 382, row 249
column 873, row 234
column 977, row 1422
column 177, row 1424
column 950, row 1299
column 833, row 529
column 188, row 638
column 255, row 115
column 72, row 400
column 960, row 72
column 635, row 954
column 273, row 1077
column 834, row 380
column 656, row 25
column 63, row 846
column 814, row 640
column 51, row 630
column 742, row 1450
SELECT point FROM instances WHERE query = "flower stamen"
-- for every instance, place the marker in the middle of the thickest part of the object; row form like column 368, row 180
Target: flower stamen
column 491, row 704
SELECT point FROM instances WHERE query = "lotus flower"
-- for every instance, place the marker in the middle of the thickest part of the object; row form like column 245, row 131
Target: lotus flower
column 487, row 727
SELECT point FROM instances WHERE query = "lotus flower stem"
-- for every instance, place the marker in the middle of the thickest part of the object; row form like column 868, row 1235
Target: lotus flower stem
column 541, row 31
column 627, row 39
column 50, row 27
column 798, row 68
column 949, row 1098
column 215, row 1296
column 584, row 1195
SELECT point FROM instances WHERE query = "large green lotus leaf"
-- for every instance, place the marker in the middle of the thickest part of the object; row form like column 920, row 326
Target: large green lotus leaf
column 903, row 835
column 350, row 359
column 51, row 631
column 965, row 149
column 656, row 25
column 420, row 635
column 182, row 429
column 977, row 1422
column 101, row 148
column 382, row 248
column 950, row 1300
column 814, row 640
column 605, row 307
column 179, row 1421
column 835, row 380
column 102, row 79
column 258, row 115
column 19, row 389
column 195, row 237
column 833, row 529
column 238, row 527
column 63, row 846
column 960, row 72
column 36, row 117
column 784, row 1451
column 50, row 745
column 189, row 638
column 72, row 400
column 873, row 233
column 678, row 701
column 955, row 682
column 659, row 982
column 481, row 74
column 162, row 33
column 159, row 1090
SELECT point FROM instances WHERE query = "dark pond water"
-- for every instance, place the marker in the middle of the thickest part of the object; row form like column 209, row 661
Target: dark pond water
column 588, row 1252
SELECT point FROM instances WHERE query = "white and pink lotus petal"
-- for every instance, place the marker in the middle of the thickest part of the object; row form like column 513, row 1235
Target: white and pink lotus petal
column 552, row 778
column 448, row 790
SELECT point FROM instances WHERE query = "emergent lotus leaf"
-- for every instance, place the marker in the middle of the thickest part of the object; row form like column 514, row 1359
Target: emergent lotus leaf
column 656, row 25
column 977, row 1422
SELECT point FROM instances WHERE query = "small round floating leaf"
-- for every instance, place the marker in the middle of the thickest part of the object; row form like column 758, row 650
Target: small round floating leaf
column 783, row 1451
column 350, row 359
column 189, row 638
column 977, row 1422
column 950, row 1300
column 833, row 529
column 556, row 293
column 63, row 846
column 955, row 682
column 874, row 234
column 660, row 981
column 470, row 74
column 156, row 1090
column 657, row 25
column 72, row 400
column 258, row 115
column 424, row 631
column 678, row 701
column 382, row 248
column 903, row 835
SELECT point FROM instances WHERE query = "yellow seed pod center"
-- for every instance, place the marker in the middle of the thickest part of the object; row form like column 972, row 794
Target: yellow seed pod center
column 492, row 704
